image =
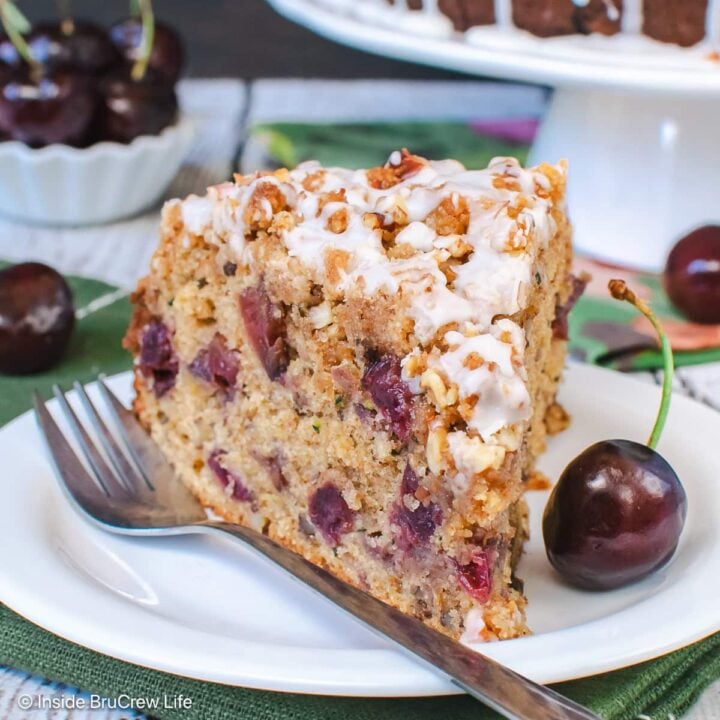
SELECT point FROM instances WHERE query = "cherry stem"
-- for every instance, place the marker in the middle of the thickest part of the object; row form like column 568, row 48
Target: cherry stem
column 17, row 39
column 146, row 41
column 620, row 291
column 67, row 22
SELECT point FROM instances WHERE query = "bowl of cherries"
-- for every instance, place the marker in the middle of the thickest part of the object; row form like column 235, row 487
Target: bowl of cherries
column 90, row 127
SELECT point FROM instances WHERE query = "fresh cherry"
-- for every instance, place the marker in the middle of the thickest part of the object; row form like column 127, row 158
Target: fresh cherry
column 130, row 107
column 46, row 110
column 692, row 275
column 77, row 45
column 615, row 515
column 9, row 56
column 167, row 56
column 618, row 509
column 36, row 318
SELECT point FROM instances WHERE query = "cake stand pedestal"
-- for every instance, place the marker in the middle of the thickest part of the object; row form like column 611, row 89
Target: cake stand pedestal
column 637, row 120
column 644, row 168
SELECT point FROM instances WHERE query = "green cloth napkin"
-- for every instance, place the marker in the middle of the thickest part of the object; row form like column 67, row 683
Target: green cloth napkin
column 654, row 689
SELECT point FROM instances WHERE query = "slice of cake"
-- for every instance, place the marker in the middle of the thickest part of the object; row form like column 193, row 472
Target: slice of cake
column 361, row 363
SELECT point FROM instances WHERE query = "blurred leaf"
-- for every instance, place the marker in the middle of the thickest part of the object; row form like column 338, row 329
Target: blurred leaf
column 369, row 144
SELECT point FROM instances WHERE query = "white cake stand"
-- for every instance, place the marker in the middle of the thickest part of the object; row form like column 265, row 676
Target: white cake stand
column 639, row 121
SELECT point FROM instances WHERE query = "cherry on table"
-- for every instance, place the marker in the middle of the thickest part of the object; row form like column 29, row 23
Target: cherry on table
column 51, row 109
column 618, row 509
column 692, row 275
column 131, row 108
column 168, row 54
column 36, row 318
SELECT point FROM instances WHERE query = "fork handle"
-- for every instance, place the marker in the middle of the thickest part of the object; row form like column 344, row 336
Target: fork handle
column 495, row 685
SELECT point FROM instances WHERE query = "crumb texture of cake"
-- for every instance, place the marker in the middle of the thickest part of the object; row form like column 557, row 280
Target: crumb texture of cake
column 680, row 22
column 363, row 364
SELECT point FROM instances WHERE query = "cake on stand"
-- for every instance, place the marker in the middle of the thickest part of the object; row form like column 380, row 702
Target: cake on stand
column 636, row 119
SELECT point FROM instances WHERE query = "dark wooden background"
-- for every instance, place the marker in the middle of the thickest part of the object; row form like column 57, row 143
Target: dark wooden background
column 246, row 38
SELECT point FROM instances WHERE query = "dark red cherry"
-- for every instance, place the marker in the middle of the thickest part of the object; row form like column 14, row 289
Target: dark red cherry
column 476, row 576
column 618, row 509
column 330, row 513
column 224, row 476
column 615, row 515
column 54, row 109
column 218, row 365
column 382, row 378
column 265, row 326
column 131, row 108
column 36, row 318
column 415, row 525
column 76, row 45
column 168, row 55
column 692, row 275
column 158, row 359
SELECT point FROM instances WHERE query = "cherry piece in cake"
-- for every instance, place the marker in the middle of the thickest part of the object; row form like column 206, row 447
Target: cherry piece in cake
column 239, row 490
column 218, row 365
column 37, row 318
column 476, row 576
column 417, row 524
column 157, row 357
column 392, row 396
column 330, row 513
column 265, row 326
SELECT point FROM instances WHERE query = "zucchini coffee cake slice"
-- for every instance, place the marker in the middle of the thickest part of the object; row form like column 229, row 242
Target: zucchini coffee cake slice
column 362, row 364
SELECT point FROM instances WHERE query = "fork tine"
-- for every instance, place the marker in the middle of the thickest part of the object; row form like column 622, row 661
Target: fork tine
column 102, row 471
column 75, row 479
column 159, row 474
column 142, row 449
column 124, row 469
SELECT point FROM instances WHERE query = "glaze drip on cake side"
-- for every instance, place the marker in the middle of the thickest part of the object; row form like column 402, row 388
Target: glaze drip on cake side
column 461, row 280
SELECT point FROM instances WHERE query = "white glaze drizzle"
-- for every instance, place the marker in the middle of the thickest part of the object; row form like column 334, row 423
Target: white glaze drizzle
column 632, row 17
column 499, row 382
column 712, row 22
column 503, row 13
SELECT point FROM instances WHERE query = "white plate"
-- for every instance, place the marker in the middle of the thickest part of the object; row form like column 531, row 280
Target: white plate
column 207, row 609
column 617, row 61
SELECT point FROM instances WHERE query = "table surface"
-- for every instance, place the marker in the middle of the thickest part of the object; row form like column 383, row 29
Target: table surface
column 119, row 253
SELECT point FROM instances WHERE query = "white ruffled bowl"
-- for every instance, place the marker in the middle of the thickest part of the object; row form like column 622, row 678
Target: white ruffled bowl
column 62, row 185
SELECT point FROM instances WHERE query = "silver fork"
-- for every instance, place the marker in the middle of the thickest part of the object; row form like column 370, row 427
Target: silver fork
column 126, row 486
